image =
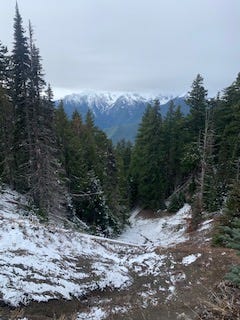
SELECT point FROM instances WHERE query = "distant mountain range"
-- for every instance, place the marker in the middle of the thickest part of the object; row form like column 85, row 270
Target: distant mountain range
column 118, row 114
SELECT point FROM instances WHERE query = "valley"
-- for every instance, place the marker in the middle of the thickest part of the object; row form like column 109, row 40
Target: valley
column 50, row 272
column 120, row 201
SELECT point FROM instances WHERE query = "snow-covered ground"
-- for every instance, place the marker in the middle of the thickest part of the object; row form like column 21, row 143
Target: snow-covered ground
column 40, row 262
column 163, row 231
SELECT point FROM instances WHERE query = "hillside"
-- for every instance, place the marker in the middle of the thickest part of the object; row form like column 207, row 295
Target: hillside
column 159, row 271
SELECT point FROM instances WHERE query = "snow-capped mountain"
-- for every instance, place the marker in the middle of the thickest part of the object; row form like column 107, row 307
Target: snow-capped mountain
column 117, row 113
column 96, row 101
column 107, row 102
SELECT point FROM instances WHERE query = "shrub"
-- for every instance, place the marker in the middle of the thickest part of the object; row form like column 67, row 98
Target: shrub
column 176, row 202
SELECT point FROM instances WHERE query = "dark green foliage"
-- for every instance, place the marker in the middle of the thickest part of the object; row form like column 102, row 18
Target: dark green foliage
column 199, row 160
column 196, row 124
column 49, row 190
column 93, row 207
column 63, row 134
column 211, row 190
column 192, row 187
column 212, row 195
column 176, row 202
column 41, row 214
column 6, row 139
column 197, row 102
column 230, row 219
column 229, row 230
column 173, row 145
column 92, row 172
column 29, row 155
column 234, row 276
column 191, row 158
column 231, row 238
column 123, row 151
column 20, row 62
column 227, row 118
column 36, row 83
column 19, row 93
column 147, row 163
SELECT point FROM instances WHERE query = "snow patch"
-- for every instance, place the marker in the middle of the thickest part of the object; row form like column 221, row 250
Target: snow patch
column 94, row 314
column 206, row 225
column 163, row 231
column 190, row 259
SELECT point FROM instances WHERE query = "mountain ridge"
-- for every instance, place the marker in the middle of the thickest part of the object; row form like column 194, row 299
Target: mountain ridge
column 118, row 114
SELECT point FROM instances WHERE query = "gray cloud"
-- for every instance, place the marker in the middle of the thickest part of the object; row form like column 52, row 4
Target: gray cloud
column 133, row 45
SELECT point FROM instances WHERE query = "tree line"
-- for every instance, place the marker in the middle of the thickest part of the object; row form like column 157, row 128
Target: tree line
column 200, row 151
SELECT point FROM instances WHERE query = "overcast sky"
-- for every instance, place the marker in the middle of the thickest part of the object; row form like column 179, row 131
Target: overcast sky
column 132, row 45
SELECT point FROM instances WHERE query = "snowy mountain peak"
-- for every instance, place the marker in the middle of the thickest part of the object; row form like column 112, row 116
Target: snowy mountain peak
column 103, row 101
column 99, row 100
column 118, row 113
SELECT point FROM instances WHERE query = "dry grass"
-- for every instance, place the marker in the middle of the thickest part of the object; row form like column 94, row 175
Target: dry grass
column 223, row 304
column 17, row 314
column 64, row 317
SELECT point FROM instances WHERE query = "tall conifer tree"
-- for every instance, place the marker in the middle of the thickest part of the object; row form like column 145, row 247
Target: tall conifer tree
column 20, row 80
column 147, row 165
column 197, row 101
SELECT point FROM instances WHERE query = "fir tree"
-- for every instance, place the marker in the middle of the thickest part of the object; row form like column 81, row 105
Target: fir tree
column 90, row 164
column 123, row 151
column 76, row 166
column 89, row 140
column 36, row 167
column 19, row 91
column 36, row 83
column 147, row 165
column 197, row 102
column 227, row 125
column 50, row 178
column 63, row 132
column 77, row 124
column 229, row 231
column 174, row 140
column 94, row 206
